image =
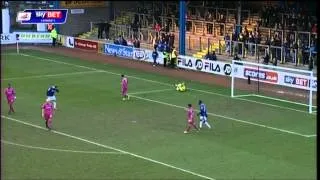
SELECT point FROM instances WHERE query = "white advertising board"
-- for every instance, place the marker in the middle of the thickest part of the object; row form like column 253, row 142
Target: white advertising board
column 69, row 42
column 282, row 78
column 34, row 37
column 146, row 55
column 203, row 65
column 8, row 38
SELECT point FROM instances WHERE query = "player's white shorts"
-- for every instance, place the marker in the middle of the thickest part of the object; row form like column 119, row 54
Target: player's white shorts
column 203, row 118
column 51, row 98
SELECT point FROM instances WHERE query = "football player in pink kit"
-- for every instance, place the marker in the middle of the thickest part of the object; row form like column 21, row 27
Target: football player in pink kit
column 124, row 87
column 190, row 117
column 47, row 113
column 11, row 97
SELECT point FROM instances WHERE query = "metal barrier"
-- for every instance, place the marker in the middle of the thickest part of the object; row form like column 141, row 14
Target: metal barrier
column 229, row 48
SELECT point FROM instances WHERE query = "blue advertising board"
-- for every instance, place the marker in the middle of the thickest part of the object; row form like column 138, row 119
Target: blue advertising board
column 118, row 50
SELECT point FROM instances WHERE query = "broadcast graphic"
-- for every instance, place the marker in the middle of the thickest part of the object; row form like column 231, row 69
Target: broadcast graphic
column 42, row 16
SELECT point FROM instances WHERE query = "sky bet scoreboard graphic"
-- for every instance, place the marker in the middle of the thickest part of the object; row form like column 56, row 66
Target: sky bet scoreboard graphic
column 42, row 16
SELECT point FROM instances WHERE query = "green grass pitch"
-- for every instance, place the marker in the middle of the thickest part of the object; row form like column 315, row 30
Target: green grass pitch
column 99, row 136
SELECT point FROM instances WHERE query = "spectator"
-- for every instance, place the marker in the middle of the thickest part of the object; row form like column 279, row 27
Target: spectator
column 156, row 41
column 136, row 43
column 174, row 56
column 106, row 30
column 171, row 39
column 157, row 27
column 155, row 56
column 119, row 39
column 314, row 28
column 227, row 42
column 100, row 29
column 251, row 44
column 236, row 57
column 165, row 58
column 166, row 38
column 266, row 58
column 166, row 28
column 135, row 29
column 211, row 56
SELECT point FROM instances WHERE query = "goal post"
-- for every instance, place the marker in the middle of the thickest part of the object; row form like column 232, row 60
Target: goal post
column 294, row 86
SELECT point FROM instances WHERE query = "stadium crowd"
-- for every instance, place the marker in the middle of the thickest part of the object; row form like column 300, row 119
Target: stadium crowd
column 284, row 21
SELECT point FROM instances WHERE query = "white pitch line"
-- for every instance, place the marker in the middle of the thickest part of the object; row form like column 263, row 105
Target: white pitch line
column 58, row 150
column 51, row 75
column 273, row 105
column 313, row 135
column 7, row 54
column 166, row 84
column 148, row 80
column 152, row 91
column 109, row 147
column 225, row 117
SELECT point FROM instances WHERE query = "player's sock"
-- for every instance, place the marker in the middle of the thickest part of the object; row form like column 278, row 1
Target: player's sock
column 11, row 107
column 200, row 124
column 208, row 125
column 47, row 125
column 54, row 105
column 195, row 127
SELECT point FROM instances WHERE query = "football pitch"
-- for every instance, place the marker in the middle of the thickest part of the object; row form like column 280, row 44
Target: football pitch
column 98, row 136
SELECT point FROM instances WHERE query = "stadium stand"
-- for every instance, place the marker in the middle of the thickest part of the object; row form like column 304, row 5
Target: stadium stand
column 213, row 29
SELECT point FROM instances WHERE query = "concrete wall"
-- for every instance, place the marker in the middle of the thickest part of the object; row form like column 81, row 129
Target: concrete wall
column 80, row 23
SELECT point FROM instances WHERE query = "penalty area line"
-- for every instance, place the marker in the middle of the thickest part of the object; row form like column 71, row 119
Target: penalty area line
column 109, row 147
column 58, row 150
column 226, row 117
column 152, row 91
column 162, row 83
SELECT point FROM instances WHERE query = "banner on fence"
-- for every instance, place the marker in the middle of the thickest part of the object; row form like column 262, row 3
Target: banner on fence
column 146, row 55
column 69, row 42
column 298, row 81
column 282, row 78
column 34, row 37
column 85, row 44
column 141, row 54
column 118, row 50
column 203, row 65
column 101, row 48
column 61, row 40
column 8, row 38
column 261, row 75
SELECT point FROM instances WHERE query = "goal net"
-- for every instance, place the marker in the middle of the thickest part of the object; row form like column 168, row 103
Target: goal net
column 277, row 86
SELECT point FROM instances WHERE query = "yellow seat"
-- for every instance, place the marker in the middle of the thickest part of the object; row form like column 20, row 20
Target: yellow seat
column 197, row 56
column 203, row 52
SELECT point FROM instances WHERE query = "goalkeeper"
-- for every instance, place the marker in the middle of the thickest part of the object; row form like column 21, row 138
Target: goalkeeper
column 181, row 87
